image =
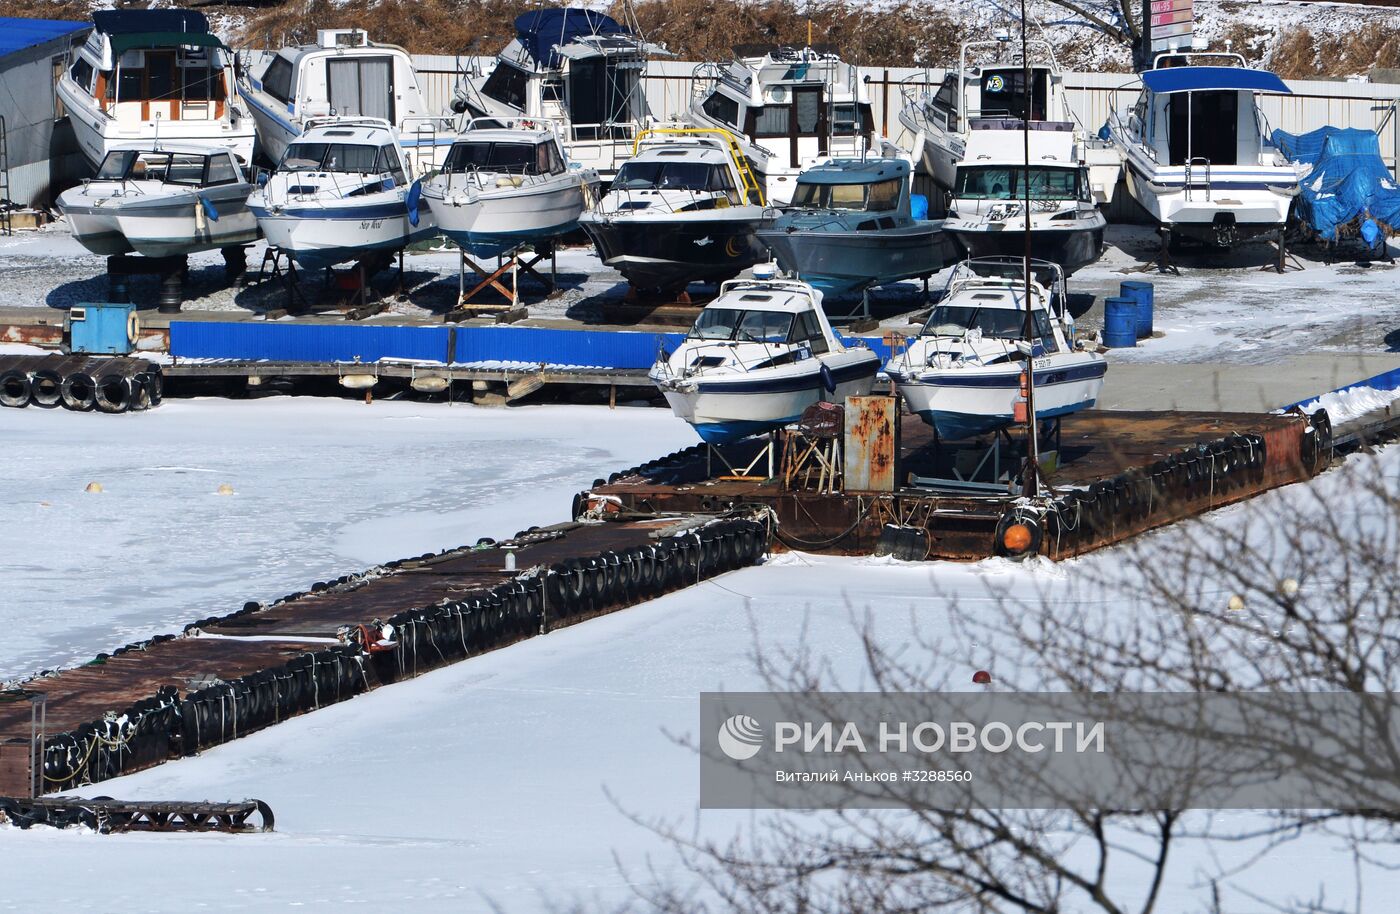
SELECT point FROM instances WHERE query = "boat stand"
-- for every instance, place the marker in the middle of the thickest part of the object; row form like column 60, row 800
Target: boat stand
column 288, row 277
column 1286, row 261
column 744, row 474
column 1164, row 255
column 523, row 259
column 992, row 455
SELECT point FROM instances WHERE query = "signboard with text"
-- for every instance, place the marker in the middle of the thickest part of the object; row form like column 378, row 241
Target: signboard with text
column 1168, row 24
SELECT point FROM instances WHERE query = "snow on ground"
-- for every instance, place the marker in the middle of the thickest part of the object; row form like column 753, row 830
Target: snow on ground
column 323, row 487
column 500, row 779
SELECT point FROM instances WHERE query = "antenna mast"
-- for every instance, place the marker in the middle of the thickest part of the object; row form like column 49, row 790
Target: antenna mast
column 1030, row 476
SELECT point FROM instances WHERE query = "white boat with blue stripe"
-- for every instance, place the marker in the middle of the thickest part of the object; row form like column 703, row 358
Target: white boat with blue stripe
column 757, row 356
column 341, row 192
column 1200, row 155
column 962, row 373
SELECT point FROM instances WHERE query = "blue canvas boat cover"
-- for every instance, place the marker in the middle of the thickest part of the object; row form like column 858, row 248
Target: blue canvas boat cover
column 18, row 33
column 544, row 30
column 1201, row 79
column 1348, row 180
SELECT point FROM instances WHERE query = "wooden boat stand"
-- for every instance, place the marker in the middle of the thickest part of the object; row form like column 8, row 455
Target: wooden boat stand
column 523, row 259
column 745, row 473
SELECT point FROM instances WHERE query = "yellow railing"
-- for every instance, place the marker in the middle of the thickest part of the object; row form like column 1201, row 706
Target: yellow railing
column 752, row 189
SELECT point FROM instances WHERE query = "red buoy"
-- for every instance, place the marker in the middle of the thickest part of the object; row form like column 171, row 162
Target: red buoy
column 982, row 677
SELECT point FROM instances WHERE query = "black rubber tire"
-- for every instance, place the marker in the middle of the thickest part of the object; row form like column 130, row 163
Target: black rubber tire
column 14, row 389
column 45, row 389
column 112, row 393
column 140, row 391
column 1031, row 522
column 79, row 391
column 157, row 386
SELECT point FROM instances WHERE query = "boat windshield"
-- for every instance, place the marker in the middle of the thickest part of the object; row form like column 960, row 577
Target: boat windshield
column 993, row 323
column 347, row 158
column 999, row 182
column 742, row 326
column 878, row 197
column 508, row 158
column 675, row 176
column 168, row 167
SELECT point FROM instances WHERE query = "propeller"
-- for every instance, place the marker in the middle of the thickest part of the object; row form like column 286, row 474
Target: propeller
column 414, row 198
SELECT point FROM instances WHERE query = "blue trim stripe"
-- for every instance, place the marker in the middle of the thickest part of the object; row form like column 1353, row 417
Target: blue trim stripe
column 1047, row 377
column 394, row 210
column 809, row 381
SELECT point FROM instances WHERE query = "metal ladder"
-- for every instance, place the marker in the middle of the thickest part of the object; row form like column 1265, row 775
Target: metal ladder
column 7, row 226
column 1190, row 164
column 752, row 189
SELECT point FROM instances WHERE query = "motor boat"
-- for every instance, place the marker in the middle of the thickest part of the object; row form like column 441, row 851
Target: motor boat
column 962, row 373
column 852, row 225
column 790, row 108
column 161, row 202
column 757, row 356
column 989, row 91
column 153, row 75
column 505, row 184
column 344, row 74
column 683, row 209
column 1199, row 153
column 341, row 192
column 987, row 213
column 575, row 67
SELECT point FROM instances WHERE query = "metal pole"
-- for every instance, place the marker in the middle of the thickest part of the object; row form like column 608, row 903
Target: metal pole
column 1030, row 477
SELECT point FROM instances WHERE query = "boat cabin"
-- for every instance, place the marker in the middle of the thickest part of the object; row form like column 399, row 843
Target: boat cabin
column 994, row 168
column 876, row 186
column 680, row 164
column 343, row 74
column 1204, row 115
column 346, row 148
column 574, row 65
column 500, row 150
column 773, row 312
column 808, row 98
column 171, row 164
column 140, row 65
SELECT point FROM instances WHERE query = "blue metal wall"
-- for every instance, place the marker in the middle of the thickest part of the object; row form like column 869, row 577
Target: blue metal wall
column 590, row 348
column 306, row 342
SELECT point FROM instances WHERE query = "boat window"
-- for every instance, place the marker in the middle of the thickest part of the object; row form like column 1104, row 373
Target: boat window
column 552, row 90
column 339, row 157
column 764, row 327
column 114, row 166
column 877, row 197
column 850, row 119
column 221, row 170
column 722, row 108
column 996, row 182
column 185, row 168
column 809, row 110
column 361, row 87
column 82, row 74
column 715, row 324
column 994, row 323
column 547, row 160
column 277, row 79
column 675, row 176
column 947, row 95
column 770, row 120
column 506, row 84
column 1004, row 93
column 389, row 162
column 806, row 329
column 511, row 158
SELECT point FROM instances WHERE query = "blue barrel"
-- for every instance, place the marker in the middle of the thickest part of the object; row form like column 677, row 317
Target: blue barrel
column 918, row 206
column 1120, row 318
column 1142, row 292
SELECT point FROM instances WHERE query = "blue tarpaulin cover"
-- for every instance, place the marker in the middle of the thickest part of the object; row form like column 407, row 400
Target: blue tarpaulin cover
column 1201, row 79
column 1348, row 178
column 16, row 34
column 543, row 31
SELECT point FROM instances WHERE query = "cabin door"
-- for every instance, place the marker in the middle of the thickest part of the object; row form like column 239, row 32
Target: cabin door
column 1204, row 125
column 806, row 117
column 360, row 87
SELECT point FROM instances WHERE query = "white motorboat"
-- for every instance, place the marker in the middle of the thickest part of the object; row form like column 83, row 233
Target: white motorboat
column 989, row 91
column 757, row 356
column 153, row 75
column 344, row 74
column 988, row 209
column 341, row 192
column 578, row 68
column 506, row 183
column 1199, row 153
column 962, row 373
column 791, row 108
column 174, row 200
column 684, row 209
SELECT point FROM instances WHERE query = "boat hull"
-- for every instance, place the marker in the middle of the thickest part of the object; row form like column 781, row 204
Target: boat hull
column 729, row 408
column 318, row 236
column 670, row 252
column 1071, row 248
column 965, row 403
column 841, row 262
column 1238, row 206
column 492, row 224
column 174, row 228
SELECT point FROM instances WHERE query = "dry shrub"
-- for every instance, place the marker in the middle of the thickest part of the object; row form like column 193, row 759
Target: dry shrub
column 77, row 10
column 1304, row 54
column 421, row 26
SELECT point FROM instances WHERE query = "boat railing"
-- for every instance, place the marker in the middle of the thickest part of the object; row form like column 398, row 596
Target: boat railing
column 1192, row 176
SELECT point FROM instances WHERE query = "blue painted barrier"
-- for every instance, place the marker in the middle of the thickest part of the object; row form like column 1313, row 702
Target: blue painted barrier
column 1386, row 380
column 581, row 348
column 306, row 342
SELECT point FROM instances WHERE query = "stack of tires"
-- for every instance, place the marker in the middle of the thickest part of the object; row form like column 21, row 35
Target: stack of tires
column 139, row 736
column 82, row 390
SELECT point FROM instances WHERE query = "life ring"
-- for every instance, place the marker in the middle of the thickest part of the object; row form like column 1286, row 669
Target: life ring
column 828, row 379
column 133, row 327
